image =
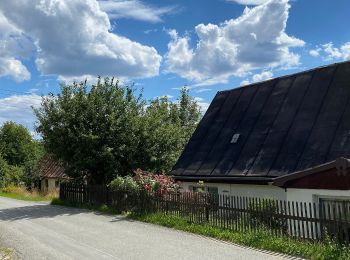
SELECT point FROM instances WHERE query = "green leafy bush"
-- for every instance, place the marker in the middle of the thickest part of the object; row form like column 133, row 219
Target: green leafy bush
column 10, row 174
column 125, row 184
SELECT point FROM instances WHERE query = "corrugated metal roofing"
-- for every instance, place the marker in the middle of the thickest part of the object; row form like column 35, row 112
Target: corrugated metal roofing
column 285, row 125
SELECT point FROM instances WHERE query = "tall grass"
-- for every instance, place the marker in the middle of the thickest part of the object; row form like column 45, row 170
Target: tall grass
column 6, row 253
column 262, row 239
column 21, row 193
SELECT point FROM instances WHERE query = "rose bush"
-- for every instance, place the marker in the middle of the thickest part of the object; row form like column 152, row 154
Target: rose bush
column 153, row 184
column 157, row 184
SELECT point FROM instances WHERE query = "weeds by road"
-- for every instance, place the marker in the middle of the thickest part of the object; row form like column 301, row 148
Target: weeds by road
column 6, row 253
column 21, row 193
column 327, row 250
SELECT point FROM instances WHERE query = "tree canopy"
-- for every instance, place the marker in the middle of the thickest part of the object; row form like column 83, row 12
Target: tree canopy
column 109, row 129
column 19, row 154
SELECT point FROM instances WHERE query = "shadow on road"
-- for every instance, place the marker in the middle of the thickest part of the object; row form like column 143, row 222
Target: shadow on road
column 45, row 211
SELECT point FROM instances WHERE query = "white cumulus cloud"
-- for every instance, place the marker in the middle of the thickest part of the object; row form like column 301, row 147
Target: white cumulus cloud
column 134, row 9
column 73, row 38
column 255, row 40
column 13, row 68
column 264, row 75
column 345, row 48
column 18, row 108
column 245, row 82
column 329, row 52
column 315, row 52
column 249, row 2
column 13, row 46
column 332, row 52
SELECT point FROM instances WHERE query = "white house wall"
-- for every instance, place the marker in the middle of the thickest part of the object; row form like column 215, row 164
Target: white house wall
column 313, row 195
column 51, row 185
column 269, row 191
column 305, row 196
column 245, row 190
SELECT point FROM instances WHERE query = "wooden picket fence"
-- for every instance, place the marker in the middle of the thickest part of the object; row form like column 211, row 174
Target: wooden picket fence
column 300, row 220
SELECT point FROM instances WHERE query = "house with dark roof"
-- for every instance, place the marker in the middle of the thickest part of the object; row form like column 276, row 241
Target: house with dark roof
column 52, row 173
column 286, row 138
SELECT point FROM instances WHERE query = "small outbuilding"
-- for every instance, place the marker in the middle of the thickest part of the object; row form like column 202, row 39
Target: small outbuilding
column 287, row 138
column 52, row 173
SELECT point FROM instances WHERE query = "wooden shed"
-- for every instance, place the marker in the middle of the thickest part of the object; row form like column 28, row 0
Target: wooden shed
column 52, row 173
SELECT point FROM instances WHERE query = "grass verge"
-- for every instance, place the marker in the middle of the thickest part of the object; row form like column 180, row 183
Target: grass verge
column 262, row 239
column 21, row 193
column 102, row 208
column 27, row 197
column 6, row 253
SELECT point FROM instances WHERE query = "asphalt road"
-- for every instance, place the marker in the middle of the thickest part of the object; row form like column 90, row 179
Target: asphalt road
column 41, row 231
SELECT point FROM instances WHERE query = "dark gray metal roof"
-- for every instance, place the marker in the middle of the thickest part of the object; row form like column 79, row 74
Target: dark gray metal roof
column 285, row 125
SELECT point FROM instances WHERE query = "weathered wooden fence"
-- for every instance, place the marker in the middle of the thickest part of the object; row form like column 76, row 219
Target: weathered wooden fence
column 314, row 221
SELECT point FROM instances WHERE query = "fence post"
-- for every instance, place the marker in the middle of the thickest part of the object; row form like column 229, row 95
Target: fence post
column 62, row 185
column 166, row 207
column 207, row 205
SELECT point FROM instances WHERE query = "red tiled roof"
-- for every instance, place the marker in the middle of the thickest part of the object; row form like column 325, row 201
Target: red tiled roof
column 50, row 168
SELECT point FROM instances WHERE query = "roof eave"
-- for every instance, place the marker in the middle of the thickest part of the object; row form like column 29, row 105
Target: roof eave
column 283, row 180
column 226, row 179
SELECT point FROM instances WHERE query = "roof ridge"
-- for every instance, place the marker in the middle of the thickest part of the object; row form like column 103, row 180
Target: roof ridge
column 274, row 135
column 287, row 76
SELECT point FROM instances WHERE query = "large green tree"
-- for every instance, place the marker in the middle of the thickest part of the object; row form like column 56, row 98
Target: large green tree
column 10, row 174
column 15, row 143
column 166, row 128
column 108, row 129
column 19, row 154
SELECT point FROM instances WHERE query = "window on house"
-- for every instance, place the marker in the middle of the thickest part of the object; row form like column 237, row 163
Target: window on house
column 235, row 138
column 211, row 190
column 214, row 191
column 57, row 183
column 47, row 183
column 197, row 189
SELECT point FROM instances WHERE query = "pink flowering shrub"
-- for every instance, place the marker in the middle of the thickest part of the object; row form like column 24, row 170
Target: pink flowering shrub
column 157, row 184
column 152, row 184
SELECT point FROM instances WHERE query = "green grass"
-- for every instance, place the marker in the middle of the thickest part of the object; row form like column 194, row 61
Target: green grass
column 261, row 239
column 102, row 208
column 27, row 197
column 6, row 253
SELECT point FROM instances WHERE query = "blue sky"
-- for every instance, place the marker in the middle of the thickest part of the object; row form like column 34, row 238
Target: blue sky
column 207, row 45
